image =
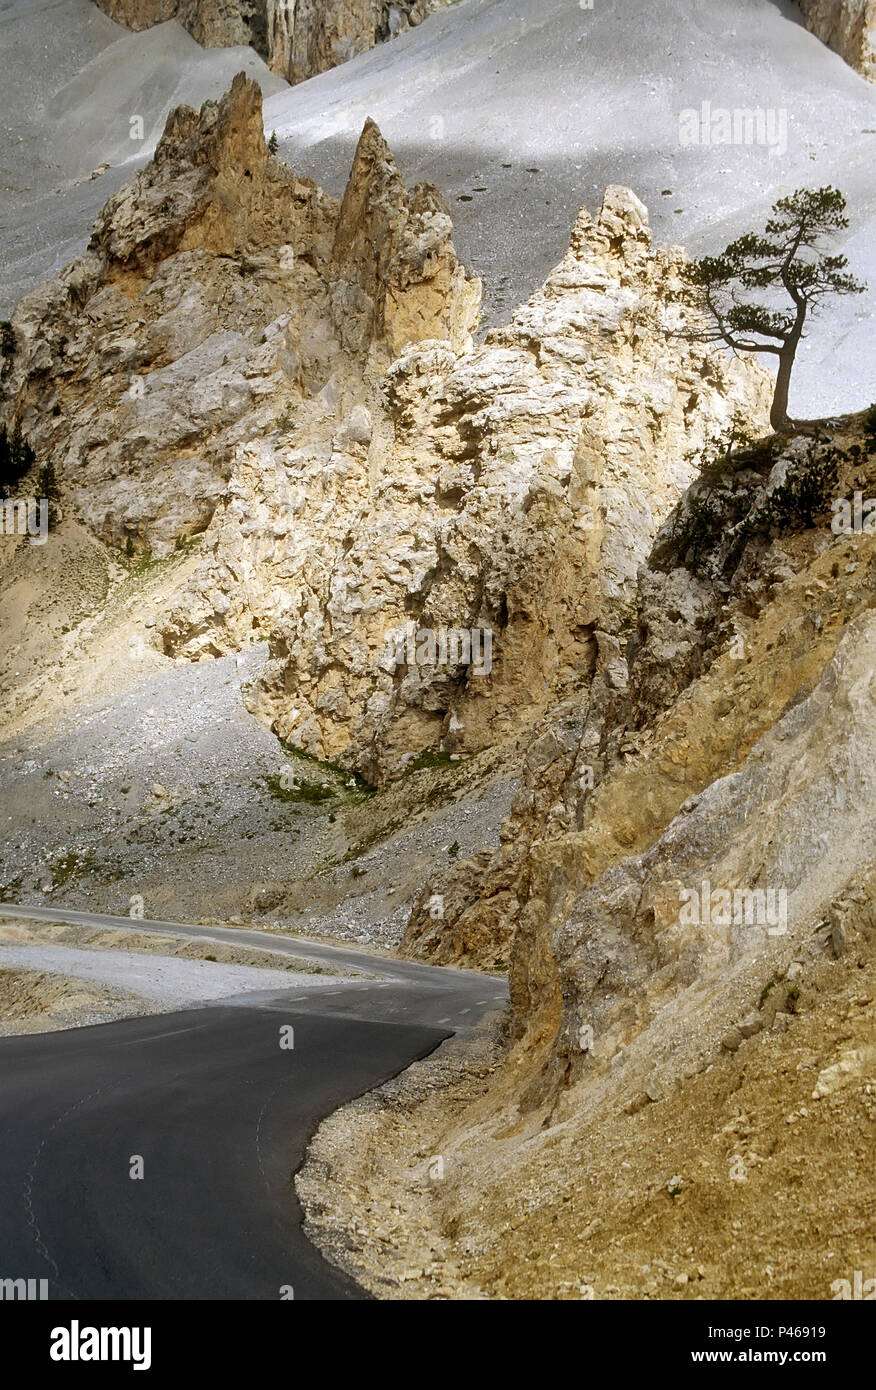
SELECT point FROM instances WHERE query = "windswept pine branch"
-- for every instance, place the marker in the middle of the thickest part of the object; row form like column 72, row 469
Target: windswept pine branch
column 786, row 258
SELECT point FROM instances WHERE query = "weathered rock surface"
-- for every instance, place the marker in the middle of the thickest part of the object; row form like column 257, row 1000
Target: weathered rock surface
column 849, row 26
column 239, row 353
column 209, row 302
column 716, row 759
column 298, row 38
column 311, row 36
column 796, row 817
column 140, row 14
column 657, row 1057
column 511, row 490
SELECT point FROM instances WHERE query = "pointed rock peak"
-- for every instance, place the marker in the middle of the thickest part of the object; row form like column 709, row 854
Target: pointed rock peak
column 225, row 130
column 372, row 152
column 240, row 129
column 581, row 232
column 396, row 276
column 243, row 100
column 207, row 184
column 375, row 173
column 374, row 199
column 623, row 214
column 371, row 140
column 622, row 222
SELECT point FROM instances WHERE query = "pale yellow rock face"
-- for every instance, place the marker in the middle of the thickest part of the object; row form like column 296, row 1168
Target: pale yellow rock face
column 239, row 354
column 512, row 489
column 733, row 747
column 849, row 26
column 733, row 742
column 297, row 38
column 728, row 739
column 224, row 23
column 310, row 36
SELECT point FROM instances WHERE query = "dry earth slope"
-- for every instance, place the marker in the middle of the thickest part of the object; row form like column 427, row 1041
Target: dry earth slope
column 680, row 1102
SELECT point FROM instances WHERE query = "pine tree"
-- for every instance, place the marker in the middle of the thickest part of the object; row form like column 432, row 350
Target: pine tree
column 7, row 346
column 787, row 259
column 47, row 487
column 273, row 143
column 16, row 458
column 47, row 483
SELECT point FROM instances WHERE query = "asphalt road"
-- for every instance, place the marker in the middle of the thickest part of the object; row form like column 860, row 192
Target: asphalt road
column 218, row 1112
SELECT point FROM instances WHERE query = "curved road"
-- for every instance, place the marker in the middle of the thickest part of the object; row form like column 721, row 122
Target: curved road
column 220, row 1115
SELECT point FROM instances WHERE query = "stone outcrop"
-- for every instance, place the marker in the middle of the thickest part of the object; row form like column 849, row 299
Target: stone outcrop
column 310, row 36
column 140, row 14
column 297, row 38
column 849, row 27
column 734, row 729
column 512, row 490
column 622, row 945
column 208, row 305
column 691, row 931
column 239, row 354
column 687, row 656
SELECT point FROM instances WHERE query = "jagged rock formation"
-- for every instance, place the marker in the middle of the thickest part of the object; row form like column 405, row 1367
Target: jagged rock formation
column 561, row 440
column 140, row 14
column 310, row 36
column 762, row 754
column 236, row 352
column 292, row 377
column 849, row 26
column 297, row 38
column 670, row 1078
column 210, row 302
column 699, row 752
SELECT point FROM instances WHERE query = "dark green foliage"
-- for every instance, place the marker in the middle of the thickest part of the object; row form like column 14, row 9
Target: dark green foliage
column 786, row 274
column 723, row 511
column 719, row 453
column 430, row 757
column 16, row 458
column 801, row 498
column 693, row 533
column 322, row 766
column 47, row 483
column 870, row 429
column 47, row 486
column 771, row 984
column 305, row 791
column 792, row 999
column 718, row 499
column 776, row 260
column 273, row 143
column 7, row 346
